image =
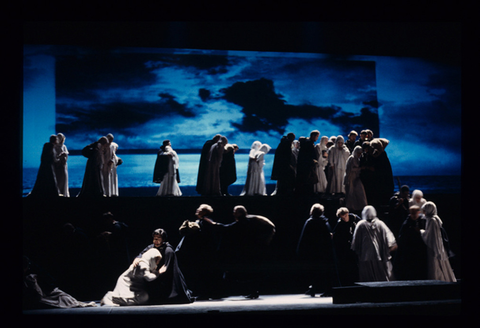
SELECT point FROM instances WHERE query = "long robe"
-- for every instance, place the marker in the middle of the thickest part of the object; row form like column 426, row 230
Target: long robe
column 355, row 197
column 346, row 258
column 131, row 285
column 212, row 178
column 61, row 170
column 228, row 170
column 92, row 185
column 439, row 267
column 110, row 177
column 315, row 252
column 170, row 287
column 410, row 261
column 255, row 182
column 371, row 241
column 321, row 185
column 203, row 167
column 46, row 183
column 169, row 183
column 306, row 176
column 337, row 157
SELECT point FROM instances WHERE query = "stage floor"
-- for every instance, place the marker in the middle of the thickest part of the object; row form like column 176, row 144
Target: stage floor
column 266, row 306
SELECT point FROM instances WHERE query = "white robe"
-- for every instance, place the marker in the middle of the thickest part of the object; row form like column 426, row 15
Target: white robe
column 321, row 185
column 110, row 178
column 169, row 185
column 255, row 182
column 371, row 241
column 439, row 267
column 130, row 288
column 61, row 170
column 355, row 197
column 337, row 157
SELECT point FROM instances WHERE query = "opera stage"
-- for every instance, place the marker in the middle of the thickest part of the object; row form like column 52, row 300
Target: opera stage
column 282, row 289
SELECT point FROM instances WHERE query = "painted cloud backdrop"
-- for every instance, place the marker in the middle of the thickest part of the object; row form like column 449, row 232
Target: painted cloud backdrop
column 144, row 96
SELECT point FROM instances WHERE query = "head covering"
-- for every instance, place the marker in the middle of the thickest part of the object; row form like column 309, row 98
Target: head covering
column 357, row 149
column 255, row 147
column 150, row 257
column 265, row 148
column 369, row 213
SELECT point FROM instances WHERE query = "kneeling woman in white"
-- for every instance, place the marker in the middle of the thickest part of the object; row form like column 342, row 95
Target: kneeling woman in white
column 130, row 287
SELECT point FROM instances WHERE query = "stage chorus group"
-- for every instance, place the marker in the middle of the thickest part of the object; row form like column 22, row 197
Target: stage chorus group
column 357, row 170
column 218, row 259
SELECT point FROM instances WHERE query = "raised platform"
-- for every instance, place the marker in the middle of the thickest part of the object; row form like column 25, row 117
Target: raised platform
column 397, row 291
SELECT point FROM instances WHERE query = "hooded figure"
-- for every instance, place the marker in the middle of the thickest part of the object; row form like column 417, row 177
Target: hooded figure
column 322, row 161
column 355, row 197
column 255, row 182
column 382, row 176
column 166, row 171
column 439, row 267
column 131, row 285
column 337, row 157
column 373, row 241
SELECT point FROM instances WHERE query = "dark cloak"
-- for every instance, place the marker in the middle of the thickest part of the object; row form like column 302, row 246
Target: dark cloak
column 346, row 258
column 92, row 185
column 46, row 183
column 203, row 166
column 306, row 166
column 170, row 287
column 410, row 262
column 161, row 167
column 283, row 169
column 228, row 170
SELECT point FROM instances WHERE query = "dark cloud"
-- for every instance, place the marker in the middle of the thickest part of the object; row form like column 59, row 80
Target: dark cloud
column 118, row 116
column 265, row 110
column 204, row 94
column 76, row 76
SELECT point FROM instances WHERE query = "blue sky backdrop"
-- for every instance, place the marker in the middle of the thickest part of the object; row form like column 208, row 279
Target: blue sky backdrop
column 144, row 96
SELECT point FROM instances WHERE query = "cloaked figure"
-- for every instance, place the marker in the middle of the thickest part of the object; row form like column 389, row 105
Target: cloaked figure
column 337, row 157
column 373, row 242
column 111, row 161
column 203, row 164
column 212, row 177
column 322, row 161
column 284, row 164
column 228, row 169
column 166, row 171
column 255, row 182
column 170, row 286
column 316, row 253
column 61, row 166
column 306, row 176
column 355, row 196
column 92, row 185
column 438, row 263
column 46, row 183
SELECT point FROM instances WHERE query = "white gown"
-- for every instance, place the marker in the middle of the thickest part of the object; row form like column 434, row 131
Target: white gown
column 61, row 170
column 255, row 182
column 321, row 185
column 337, row 157
column 372, row 241
column 355, row 196
column 169, row 185
column 130, row 288
column 439, row 267
column 110, row 178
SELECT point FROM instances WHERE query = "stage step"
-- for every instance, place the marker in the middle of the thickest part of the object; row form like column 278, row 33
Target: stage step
column 397, row 291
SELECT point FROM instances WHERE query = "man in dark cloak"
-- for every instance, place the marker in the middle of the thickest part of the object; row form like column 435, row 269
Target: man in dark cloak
column 46, row 183
column 410, row 262
column 315, row 252
column 345, row 257
column 203, row 164
column 284, row 162
column 170, row 287
column 398, row 209
column 306, row 165
column 382, row 173
column 228, row 169
column 161, row 164
column 243, row 247
column 92, row 185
